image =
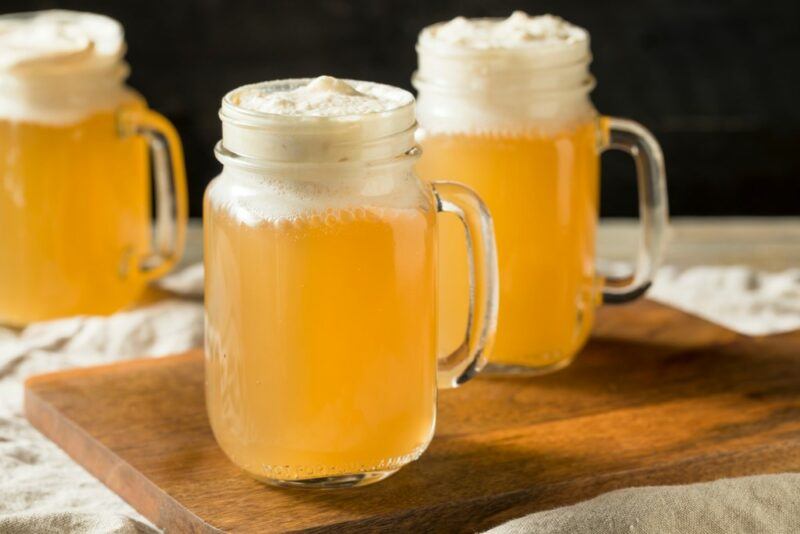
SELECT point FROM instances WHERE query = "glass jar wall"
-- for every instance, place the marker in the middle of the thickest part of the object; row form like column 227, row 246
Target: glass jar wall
column 504, row 107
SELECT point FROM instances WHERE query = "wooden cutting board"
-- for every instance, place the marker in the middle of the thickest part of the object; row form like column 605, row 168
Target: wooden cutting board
column 658, row 397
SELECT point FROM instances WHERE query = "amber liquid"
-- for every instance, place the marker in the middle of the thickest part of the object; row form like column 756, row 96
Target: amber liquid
column 74, row 214
column 321, row 340
column 542, row 191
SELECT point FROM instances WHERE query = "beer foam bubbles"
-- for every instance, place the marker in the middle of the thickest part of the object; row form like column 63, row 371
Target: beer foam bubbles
column 502, row 75
column 520, row 30
column 60, row 66
column 301, row 146
column 263, row 198
column 324, row 96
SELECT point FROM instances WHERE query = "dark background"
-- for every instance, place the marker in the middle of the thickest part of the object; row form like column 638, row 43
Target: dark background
column 717, row 82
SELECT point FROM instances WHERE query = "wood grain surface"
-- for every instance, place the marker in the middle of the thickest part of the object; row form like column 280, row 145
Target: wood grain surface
column 657, row 397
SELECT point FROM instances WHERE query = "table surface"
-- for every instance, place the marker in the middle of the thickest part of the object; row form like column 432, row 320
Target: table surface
column 657, row 397
column 771, row 243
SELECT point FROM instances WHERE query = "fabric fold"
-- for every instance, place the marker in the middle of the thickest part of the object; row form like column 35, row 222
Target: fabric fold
column 756, row 504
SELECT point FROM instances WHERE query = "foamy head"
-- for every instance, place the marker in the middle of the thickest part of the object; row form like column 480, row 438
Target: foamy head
column 498, row 73
column 324, row 96
column 307, row 146
column 520, row 30
column 320, row 120
column 59, row 66
column 471, row 51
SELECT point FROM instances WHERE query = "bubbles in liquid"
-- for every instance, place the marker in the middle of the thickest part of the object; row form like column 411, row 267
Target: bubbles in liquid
column 358, row 273
column 256, row 200
column 331, row 219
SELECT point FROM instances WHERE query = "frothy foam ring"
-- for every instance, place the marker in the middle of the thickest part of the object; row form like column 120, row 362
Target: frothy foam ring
column 517, row 74
column 254, row 199
column 321, row 120
column 299, row 148
column 520, row 30
column 324, row 96
column 57, row 66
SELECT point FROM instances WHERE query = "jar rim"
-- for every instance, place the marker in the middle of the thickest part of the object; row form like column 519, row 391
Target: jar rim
column 228, row 157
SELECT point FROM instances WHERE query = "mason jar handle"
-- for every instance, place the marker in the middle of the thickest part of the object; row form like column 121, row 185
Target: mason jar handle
column 471, row 356
column 169, row 178
column 634, row 139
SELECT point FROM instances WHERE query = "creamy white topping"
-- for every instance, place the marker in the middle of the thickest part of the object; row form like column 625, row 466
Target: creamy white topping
column 518, row 30
column 318, row 120
column 56, row 41
column 324, row 96
column 59, row 66
column 294, row 147
column 503, row 75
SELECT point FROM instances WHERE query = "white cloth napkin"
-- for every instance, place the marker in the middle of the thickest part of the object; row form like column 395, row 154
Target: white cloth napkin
column 41, row 489
column 768, row 504
column 744, row 300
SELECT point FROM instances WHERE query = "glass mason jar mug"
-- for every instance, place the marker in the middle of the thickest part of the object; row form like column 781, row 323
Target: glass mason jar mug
column 75, row 202
column 321, row 273
column 504, row 106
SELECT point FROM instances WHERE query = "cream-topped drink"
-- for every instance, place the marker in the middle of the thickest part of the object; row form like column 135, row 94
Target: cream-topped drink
column 75, row 195
column 504, row 107
column 320, row 253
